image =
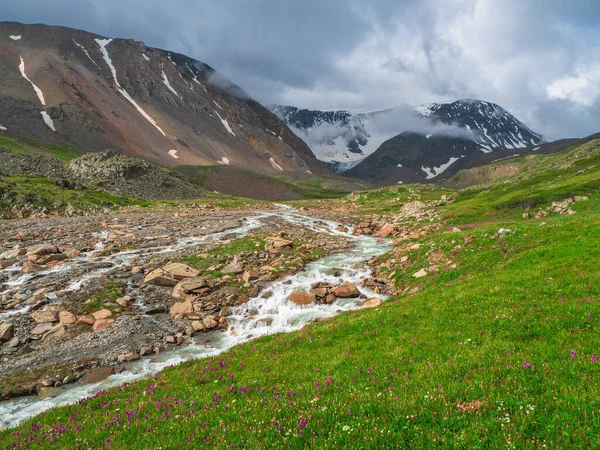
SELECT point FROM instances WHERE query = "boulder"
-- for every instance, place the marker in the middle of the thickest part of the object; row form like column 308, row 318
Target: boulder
column 197, row 325
column 180, row 271
column 456, row 230
column 181, row 308
column 209, row 323
column 67, row 318
column 49, row 392
column 29, row 267
column 385, row 230
column 47, row 259
column 233, row 268
column 420, row 274
column 276, row 244
column 345, row 290
column 44, row 316
column 41, row 250
column 372, row 302
column 124, row 301
column 103, row 324
column 87, row 319
column 102, row 314
column 128, row 357
column 97, row 375
column 188, row 286
column 55, row 332
column 41, row 328
column 301, row 298
column 7, row 331
column 250, row 275
column 159, row 277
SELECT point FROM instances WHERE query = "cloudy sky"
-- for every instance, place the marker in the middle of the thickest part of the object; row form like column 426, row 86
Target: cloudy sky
column 540, row 59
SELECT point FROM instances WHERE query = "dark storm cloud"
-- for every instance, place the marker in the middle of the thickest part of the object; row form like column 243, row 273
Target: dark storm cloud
column 538, row 58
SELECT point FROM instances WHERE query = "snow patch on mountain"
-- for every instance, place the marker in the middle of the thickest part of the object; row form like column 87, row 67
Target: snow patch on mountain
column 435, row 171
column 15, row 38
column 174, row 154
column 38, row 91
column 166, row 82
column 3, row 128
column 102, row 43
column 224, row 160
column 145, row 57
column 225, row 123
column 48, row 120
column 275, row 165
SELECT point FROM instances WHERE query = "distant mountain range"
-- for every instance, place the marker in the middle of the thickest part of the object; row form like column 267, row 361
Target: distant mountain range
column 424, row 141
column 66, row 87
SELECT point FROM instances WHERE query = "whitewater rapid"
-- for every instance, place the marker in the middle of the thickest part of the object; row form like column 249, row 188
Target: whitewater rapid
column 268, row 313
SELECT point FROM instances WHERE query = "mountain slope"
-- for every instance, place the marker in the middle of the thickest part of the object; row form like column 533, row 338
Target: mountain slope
column 339, row 138
column 342, row 139
column 67, row 86
column 412, row 157
column 491, row 125
column 458, row 135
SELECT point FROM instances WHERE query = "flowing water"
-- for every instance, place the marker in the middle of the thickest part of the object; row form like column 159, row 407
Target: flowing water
column 258, row 317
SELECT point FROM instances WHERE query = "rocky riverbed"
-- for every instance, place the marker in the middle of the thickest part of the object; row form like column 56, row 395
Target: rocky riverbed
column 83, row 296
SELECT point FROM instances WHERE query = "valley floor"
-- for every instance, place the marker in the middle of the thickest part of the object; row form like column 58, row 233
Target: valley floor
column 489, row 339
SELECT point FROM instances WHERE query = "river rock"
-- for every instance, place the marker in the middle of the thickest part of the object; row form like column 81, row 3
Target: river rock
column 49, row 392
column 44, row 316
column 372, row 303
column 103, row 324
column 41, row 250
column 102, row 314
column 181, row 308
column 30, row 267
column 189, row 286
column 97, row 375
column 159, row 277
column 385, row 230
column 128, row 357
column 47, row 259
column 209, row 323
column 197, row 325
column 7, row 331
column 301, row 298
column 275, row 244
column 345, row 290
column 180, row 271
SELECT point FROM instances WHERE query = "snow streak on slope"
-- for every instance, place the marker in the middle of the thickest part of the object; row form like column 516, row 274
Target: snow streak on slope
column 48, row 120
column 86, row 52
column 224, row 121
column 435, row 171
column 103, row 43
column 3, row 128
column 165, row 80
column 275, row 165
column 38, row 91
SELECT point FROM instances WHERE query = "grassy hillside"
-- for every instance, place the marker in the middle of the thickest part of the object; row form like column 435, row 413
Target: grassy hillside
column 496, row 348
